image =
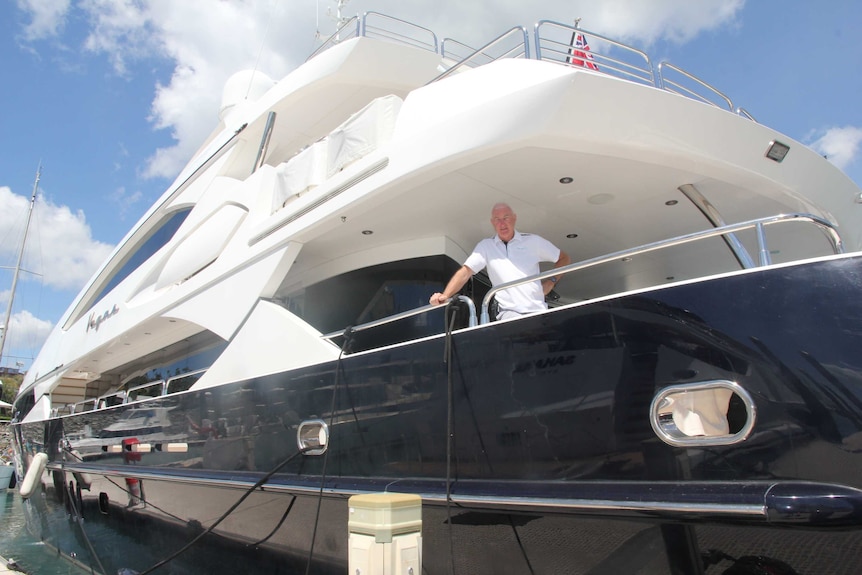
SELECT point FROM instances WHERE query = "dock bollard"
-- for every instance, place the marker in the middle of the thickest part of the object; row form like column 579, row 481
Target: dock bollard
column 385, row 534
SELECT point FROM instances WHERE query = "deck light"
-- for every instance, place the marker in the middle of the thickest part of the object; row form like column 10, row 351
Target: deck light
column 566, row 180
column 777, row 151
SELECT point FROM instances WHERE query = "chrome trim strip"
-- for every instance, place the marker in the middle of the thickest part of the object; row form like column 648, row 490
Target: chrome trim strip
column 484, row 501
column 405, row 314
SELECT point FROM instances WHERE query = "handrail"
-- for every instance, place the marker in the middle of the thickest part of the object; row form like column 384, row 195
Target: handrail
column 127, row 394
column 353, row 25
column 826, row 226
column 511, row 53
column 83, row 403
column 610, row 56
column 677, row 88
column 168, row 381
column 379, row 31
column 447, row 52
column 712, row 214
column 558, row 51
column 405, row 315
column 132, row 390
column 745, row 114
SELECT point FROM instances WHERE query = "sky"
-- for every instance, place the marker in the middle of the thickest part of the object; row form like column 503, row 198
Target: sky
column 112, row 97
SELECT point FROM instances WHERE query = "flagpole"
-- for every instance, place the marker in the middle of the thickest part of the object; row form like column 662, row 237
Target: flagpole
column 572, row 41
column 18, row 264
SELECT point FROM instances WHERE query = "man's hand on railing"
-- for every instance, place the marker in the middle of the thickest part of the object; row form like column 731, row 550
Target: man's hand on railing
column 438, row 299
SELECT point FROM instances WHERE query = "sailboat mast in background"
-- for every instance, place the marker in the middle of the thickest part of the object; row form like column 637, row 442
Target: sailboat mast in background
column 8, row 316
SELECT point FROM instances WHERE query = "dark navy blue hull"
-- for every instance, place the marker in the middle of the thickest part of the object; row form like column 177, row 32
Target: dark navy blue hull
column 548, row 454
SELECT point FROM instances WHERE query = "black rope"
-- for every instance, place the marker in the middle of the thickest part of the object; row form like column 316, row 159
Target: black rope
column 277, row 527
column 521, row 545
column 348, row 343
column 70, row 497
column 450, row 429
column 225, row 515
column 125, row 489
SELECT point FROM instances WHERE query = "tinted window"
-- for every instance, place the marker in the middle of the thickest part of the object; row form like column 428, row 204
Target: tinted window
column 151, row 245
column 376, row 292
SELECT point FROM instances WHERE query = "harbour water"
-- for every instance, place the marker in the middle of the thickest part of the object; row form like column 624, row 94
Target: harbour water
column 31, row 555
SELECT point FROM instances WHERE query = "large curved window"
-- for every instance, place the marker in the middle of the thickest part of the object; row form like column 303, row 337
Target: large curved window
column 150, row 245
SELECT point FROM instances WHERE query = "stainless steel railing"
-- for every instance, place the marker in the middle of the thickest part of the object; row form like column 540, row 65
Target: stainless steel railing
column 519, row 49
column 696, row 89
column 404, row 315
column 553, row 42
column 143, row 392
column 758, row 224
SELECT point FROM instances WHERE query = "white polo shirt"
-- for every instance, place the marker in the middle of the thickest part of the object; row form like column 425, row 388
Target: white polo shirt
column 513, row 261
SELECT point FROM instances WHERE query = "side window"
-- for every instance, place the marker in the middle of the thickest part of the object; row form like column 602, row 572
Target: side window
column 142, row 253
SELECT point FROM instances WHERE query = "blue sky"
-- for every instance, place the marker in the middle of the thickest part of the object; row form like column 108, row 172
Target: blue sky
column 113, row 96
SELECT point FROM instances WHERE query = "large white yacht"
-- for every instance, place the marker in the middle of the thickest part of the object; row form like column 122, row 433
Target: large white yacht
column 259, row 347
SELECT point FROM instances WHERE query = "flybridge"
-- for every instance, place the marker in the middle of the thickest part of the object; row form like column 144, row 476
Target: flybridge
column 563, row 44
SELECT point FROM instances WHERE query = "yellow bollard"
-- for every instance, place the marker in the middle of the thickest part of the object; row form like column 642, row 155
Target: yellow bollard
column 385, row 534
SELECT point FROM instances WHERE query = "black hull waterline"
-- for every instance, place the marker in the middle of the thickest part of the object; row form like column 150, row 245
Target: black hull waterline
column 561, row 456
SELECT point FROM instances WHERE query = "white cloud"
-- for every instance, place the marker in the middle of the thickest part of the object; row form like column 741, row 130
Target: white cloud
column 60, row 245
column 124, row 200
column 48, row 17
column 839, row 145
column 27, row 333
column 120, row 29
column 646, row 22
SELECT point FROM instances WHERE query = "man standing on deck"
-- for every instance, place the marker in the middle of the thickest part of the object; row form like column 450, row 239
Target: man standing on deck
column 509, row 256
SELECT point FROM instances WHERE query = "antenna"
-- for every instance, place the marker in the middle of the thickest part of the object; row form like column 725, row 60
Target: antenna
column 338, row 17
column 259, row 52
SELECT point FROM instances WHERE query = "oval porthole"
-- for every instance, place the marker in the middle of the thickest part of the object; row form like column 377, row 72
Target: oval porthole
column 717, row 412
column 313, row 436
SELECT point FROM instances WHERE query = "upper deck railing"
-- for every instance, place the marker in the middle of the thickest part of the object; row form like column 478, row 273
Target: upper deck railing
column 552, row 42
column 143, row 392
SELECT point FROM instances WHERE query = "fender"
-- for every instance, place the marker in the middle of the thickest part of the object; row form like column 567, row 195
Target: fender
column 34, row 475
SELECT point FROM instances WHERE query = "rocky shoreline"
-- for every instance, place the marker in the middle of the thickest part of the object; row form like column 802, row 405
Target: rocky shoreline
column 5, row 441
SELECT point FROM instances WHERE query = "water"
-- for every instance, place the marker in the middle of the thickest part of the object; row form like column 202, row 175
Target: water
column 31, row 555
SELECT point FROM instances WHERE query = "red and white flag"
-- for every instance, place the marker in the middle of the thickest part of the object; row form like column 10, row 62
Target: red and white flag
column 579, row 54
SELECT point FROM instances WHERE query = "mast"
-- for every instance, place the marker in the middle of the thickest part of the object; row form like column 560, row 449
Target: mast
column 18, row 264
